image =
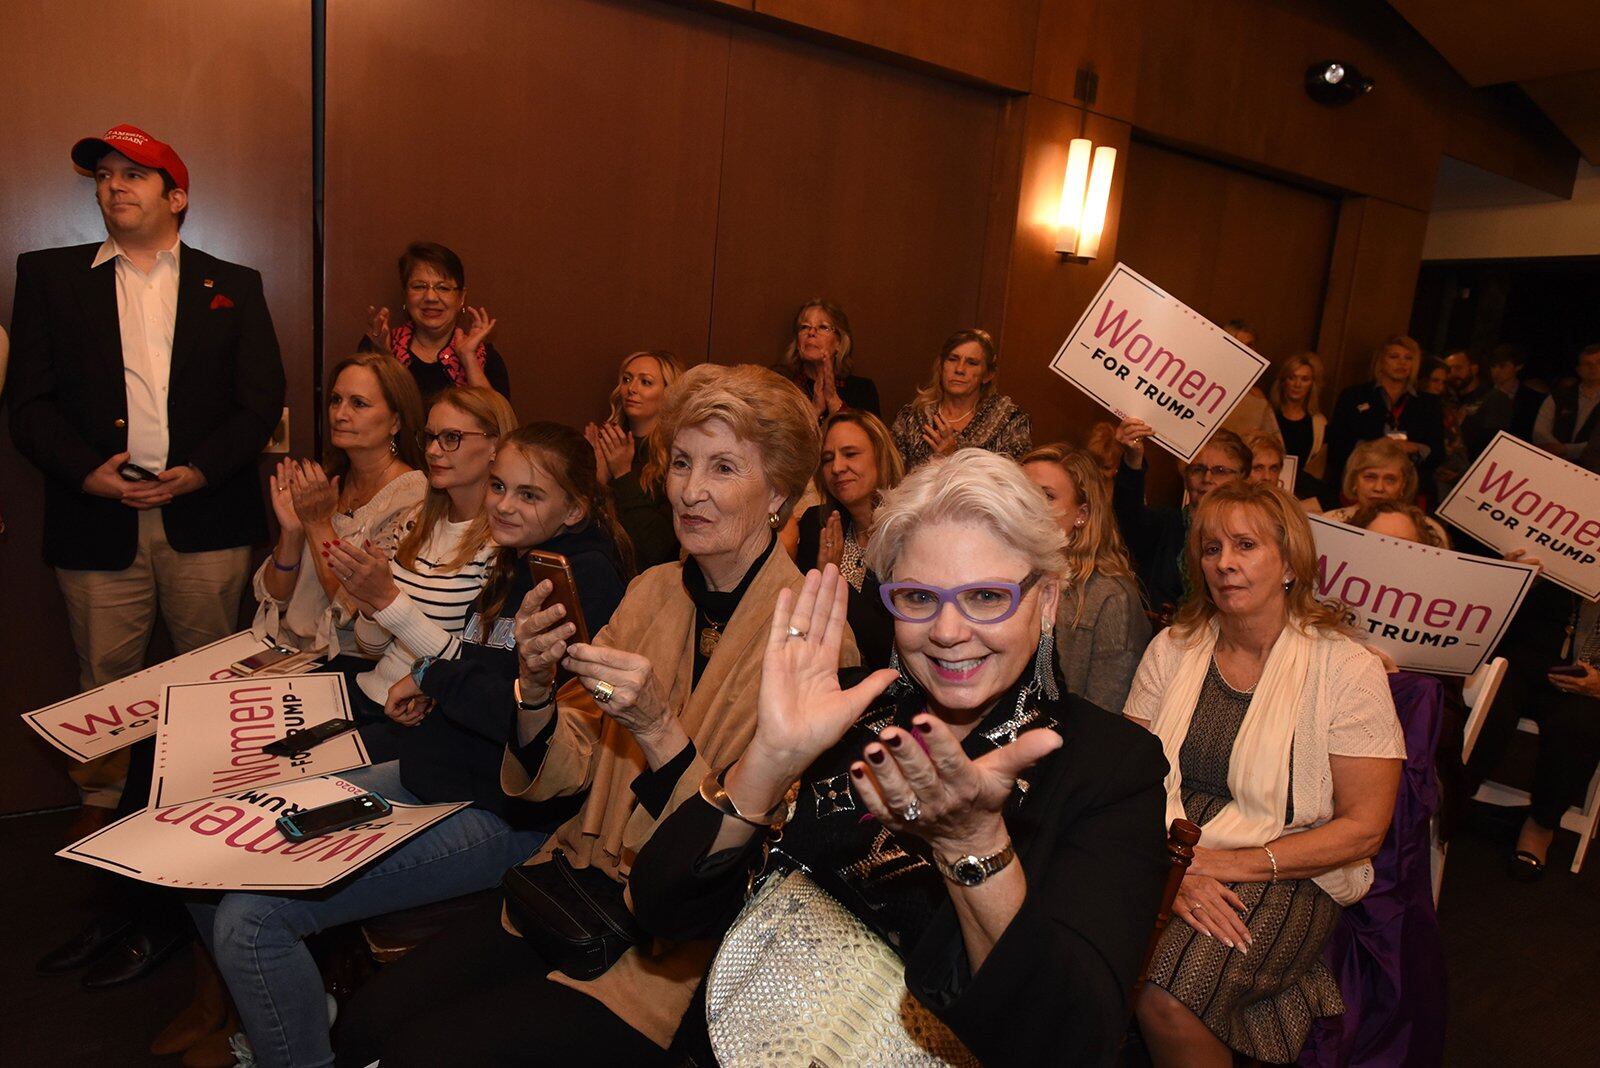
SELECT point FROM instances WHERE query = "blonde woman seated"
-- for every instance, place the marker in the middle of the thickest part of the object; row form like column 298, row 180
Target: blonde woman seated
column 1101, row 629
column 960, row 407
column 1382, row 470
column 1285, row 748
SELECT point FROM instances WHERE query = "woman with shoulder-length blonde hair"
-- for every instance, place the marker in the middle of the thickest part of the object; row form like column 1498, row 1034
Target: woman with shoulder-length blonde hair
column 1381, row 470
column 960, row 406
column 1284, row 747
column 627, row 457
column 820, row 357
column 859, row 464
column 1101, row 627
column 1297, row 420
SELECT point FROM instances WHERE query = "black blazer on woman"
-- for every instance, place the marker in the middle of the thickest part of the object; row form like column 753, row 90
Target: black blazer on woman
column 1088, row 831
column 69, row 402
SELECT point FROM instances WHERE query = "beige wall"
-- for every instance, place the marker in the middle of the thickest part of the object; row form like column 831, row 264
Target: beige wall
column 1565, row 228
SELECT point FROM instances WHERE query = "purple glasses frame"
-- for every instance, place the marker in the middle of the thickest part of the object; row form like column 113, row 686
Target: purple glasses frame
column 951, row 595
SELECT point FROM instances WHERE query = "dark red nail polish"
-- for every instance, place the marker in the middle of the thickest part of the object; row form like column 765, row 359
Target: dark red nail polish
column 877, row 756
column 894, row 740
column 924, row 725
column 858, row 772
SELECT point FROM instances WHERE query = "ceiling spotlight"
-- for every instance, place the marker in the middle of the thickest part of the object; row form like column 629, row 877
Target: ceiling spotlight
column 1334, row 83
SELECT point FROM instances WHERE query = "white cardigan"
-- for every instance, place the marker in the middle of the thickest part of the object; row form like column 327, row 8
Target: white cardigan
column 1345, row 710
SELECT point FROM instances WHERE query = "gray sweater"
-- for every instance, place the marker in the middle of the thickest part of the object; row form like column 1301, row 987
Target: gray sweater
column 1100, row 652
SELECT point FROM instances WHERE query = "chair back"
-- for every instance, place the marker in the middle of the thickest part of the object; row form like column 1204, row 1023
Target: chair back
column 1182, row 837
column 1478, row 690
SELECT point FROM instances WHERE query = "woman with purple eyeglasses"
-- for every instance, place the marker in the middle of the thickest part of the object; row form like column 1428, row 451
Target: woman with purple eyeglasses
column 1004, row 839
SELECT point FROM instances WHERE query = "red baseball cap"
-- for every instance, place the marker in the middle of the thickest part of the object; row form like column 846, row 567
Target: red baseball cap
column 137, row 146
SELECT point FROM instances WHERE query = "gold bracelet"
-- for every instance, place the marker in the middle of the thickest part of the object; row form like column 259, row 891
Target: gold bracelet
column 1274, row 861
column 716, row 795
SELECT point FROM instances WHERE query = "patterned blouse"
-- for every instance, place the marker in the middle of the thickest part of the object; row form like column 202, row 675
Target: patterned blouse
column 998, row 425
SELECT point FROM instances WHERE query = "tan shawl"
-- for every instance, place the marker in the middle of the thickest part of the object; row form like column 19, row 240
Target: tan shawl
column 650, row 987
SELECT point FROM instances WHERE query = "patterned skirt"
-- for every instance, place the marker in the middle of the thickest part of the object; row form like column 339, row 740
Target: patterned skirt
column 1261, row 1003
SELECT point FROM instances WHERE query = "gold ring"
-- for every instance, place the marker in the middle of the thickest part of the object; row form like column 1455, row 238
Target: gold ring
column 603, row 692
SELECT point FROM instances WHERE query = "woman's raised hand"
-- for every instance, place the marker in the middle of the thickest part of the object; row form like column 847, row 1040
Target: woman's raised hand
column 315, row 495
column 830, row 542
column 1130, row 435
column 378, row 331
column 363, row 572
column 956, row 804
column 937, row 433
column 616, row 446
column 541, row 642
column 800, row 709
column 282, row 502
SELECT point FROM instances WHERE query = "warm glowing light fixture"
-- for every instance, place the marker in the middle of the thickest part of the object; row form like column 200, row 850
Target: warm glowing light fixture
column 1085, row 192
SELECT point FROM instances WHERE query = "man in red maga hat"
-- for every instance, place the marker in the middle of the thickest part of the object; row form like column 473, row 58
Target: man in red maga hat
column 145, row 379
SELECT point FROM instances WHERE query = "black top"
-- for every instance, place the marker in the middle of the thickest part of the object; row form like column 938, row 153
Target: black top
column 454, row 753
column 1525, row 407
column 1298, row 434
column 1088, row 831
column 713, row 608
column 1155, row 537
column 432, row 378
column 644, row 514
column 869, row 620
column 69, row 402
column 1362, row 414
column 854, row 390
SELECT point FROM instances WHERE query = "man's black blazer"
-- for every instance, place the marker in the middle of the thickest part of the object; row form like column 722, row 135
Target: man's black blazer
column 69, row 403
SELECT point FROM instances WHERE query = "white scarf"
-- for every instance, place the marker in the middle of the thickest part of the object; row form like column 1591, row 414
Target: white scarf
column 1258, row 770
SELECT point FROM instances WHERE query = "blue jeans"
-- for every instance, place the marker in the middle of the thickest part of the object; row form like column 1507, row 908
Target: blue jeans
column 258, row 940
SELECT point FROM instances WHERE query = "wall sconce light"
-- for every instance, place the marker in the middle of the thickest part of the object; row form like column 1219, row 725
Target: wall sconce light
column 1085, row 193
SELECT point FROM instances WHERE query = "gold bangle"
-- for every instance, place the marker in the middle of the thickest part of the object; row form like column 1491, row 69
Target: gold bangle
column 1274, row 861
column 716, row 795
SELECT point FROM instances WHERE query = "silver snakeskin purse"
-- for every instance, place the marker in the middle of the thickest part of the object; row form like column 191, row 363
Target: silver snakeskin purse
column 800, row 982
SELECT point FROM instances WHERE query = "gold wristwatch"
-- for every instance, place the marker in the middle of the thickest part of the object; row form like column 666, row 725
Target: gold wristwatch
column 970, row 870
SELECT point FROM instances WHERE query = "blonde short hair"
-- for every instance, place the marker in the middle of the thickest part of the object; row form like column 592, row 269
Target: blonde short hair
column 1381, row 452
column 1277, row 515
column 1404, row 342
column 760, row 406
column 973, row 486
column 789, row 362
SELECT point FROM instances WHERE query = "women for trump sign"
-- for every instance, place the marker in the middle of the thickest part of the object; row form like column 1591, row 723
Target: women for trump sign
column 1144, row 354
column 1430, row 609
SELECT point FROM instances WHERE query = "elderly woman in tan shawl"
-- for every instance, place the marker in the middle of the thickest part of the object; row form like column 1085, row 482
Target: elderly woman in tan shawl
column 665, row 693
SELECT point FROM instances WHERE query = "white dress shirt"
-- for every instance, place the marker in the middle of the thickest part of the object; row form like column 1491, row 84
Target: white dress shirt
column 147, row 311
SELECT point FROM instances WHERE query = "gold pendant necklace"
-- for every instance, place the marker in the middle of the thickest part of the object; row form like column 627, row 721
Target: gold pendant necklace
column 710, row 635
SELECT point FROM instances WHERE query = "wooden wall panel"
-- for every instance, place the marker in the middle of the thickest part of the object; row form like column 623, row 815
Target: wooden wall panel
column 1372, row 284
column 990, row 41
column 1231, row 245
column 233, row 95
column 569, row 153
column 848, row 179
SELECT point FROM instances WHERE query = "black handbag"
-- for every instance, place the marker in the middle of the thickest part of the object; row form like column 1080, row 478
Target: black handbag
column 575, row 917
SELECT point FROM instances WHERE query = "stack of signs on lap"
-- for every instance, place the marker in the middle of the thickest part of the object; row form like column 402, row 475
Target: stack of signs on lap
column 109, row 717
column 1143, row 354
column 1517, row 496
column 1430, row 609
column 233, row 843
column 211, row 733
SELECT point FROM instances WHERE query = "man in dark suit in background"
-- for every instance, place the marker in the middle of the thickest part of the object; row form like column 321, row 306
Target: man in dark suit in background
column 145, row 379
column 1505, row 371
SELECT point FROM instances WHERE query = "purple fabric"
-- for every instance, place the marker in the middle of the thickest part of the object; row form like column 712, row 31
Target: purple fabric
column 1386, row 953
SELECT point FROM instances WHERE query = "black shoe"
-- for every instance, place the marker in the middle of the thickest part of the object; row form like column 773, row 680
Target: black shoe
column 1525, row 867
column 135, row 956
column 97, row 936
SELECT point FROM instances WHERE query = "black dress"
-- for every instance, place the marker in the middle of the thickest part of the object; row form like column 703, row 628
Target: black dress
column 1055, row 988
column 868, row 618
column 432, row 379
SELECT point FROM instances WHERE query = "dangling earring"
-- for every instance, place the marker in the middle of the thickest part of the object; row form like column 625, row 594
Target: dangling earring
column 394, row 450
column 1044, row 666
column 772, row 520
column 903, row 684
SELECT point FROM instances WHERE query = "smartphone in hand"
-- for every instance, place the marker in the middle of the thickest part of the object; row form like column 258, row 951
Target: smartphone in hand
column 563, row 589
column 1575, row 671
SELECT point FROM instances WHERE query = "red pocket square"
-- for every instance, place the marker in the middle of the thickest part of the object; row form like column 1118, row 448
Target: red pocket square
column 220, row 301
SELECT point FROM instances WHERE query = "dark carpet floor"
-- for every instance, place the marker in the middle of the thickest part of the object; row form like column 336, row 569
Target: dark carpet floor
column 1523, row 960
